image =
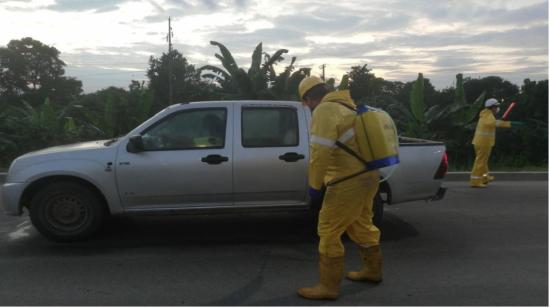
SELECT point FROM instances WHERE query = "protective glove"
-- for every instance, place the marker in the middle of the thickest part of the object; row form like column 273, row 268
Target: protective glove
column 315, row 194
column 517, row 123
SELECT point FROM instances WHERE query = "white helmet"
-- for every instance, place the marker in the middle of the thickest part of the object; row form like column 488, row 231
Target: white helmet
column 491, row 102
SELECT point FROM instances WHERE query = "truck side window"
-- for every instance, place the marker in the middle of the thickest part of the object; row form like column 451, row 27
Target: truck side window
column 191, row 129
column 269, row 127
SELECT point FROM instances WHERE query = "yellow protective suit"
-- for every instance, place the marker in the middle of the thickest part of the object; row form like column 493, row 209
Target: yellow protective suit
column 347, row 206
column 484, row 140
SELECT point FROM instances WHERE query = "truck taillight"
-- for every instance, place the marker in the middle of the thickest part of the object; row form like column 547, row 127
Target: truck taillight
column 443, row 167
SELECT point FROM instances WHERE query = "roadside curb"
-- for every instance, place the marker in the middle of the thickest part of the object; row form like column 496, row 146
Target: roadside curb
column 459, row 176
column 501, row 176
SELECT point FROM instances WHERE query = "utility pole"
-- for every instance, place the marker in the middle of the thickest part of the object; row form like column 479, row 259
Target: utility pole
column 169, row 38
column 323, row 74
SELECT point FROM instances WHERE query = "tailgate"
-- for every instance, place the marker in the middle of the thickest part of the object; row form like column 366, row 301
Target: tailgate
column 413, row 179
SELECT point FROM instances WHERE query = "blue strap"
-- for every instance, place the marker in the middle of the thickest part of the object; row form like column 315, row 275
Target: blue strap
column 384, row 162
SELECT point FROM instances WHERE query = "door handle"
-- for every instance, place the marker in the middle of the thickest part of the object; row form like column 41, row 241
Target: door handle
column 214, row 159
column 291, row 157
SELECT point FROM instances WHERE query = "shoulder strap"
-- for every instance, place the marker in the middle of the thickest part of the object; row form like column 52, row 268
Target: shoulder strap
column 350, row 152
column 345, row 147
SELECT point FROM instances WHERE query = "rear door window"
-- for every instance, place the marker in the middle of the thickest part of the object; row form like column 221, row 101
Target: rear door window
column 269, row 127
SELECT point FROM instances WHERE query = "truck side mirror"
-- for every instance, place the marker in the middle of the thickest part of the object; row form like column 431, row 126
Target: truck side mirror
column 135, row 144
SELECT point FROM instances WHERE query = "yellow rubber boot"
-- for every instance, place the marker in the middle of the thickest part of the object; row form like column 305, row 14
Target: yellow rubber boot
column 372, row 265
column 330, row 272
column 477, row 183
column 488, row 179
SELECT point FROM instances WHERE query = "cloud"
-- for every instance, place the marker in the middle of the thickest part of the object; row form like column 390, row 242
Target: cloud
column 241, row 3
column 179, row 9
column 534, row 37
column 247, row 41
column 177, row 2
column 211, row 4
column 396, row 38
column 157, row 6
column 522, row 16
column 526, row 38
column 315, row 23
column 97, row 6
column 18, row 5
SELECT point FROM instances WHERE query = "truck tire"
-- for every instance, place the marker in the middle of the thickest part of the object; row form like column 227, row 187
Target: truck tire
column 377, row 211
column 66, row 211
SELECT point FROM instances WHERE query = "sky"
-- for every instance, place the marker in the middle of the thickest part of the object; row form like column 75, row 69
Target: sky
column 108, row 42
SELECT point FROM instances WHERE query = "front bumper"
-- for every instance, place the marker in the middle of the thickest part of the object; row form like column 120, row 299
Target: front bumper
column 10, row 196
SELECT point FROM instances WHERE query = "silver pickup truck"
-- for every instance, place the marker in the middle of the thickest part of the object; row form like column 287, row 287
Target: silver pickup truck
column 196, row 157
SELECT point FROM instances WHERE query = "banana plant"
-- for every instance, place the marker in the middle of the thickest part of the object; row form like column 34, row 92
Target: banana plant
column 252, row 84
column 415, row 120
column 37, row 127
column 416, row 98
column 8, row 143
column 344, row 84
column 285, row 85
column 46, row 118
column 411, row 118
column 460, row 113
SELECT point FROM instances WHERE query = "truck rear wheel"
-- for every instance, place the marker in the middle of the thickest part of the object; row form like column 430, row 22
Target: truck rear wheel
column 66, row 211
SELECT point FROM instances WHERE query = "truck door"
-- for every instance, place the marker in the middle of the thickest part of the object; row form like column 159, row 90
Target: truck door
column 270, row 155
column 186, row 162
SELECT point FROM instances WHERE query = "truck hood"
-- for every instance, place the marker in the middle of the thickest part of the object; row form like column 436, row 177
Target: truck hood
column 94, row 151
column 76, row 147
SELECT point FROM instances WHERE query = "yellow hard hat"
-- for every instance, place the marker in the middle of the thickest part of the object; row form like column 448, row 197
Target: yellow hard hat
column 307, row 83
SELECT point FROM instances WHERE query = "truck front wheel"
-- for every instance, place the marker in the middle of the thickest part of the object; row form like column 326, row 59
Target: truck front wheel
column 66, row 211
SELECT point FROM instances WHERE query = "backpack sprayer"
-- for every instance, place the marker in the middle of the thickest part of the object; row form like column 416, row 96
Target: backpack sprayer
column 377, row 139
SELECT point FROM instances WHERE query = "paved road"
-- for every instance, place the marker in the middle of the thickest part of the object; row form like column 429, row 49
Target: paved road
column 475, row 247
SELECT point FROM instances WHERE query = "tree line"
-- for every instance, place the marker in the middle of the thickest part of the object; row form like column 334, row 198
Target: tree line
column 41, row 107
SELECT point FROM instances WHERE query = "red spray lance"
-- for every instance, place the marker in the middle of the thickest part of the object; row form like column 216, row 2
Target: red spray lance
column 507, row 112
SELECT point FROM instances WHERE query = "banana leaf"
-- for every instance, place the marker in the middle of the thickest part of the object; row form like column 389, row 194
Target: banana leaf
column 215, row 70
column 254, row 69
column 226, row 58
column 277, row 57
column 344, row 84
column 468, row 112
column 417, row 99
column 460, row 96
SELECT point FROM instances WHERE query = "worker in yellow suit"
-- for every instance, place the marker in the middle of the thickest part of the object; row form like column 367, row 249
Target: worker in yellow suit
column 484, row 140
column 347, row 206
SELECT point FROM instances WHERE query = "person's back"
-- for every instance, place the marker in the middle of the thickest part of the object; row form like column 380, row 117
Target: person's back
column 331, row 109
column 347, row 204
